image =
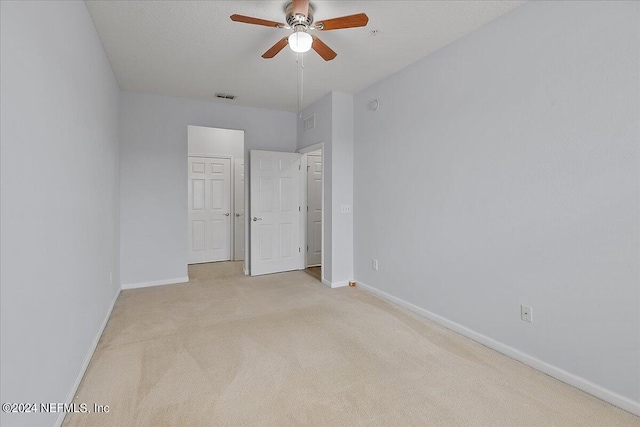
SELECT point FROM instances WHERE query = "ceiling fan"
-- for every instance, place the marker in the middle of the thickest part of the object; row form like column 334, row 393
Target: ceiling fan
column 299, row 17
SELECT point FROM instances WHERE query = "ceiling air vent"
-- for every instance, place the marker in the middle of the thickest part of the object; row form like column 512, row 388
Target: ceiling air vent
column 225, row 96
column 309, row 123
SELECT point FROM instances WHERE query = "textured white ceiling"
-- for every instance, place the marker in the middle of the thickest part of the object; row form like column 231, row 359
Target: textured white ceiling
column 192, row 49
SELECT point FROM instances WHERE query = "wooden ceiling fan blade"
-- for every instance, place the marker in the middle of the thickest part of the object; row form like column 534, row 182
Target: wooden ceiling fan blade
column 256, row 21
column 351, row 21
column 323, row 50
column 301, row 7
column 276, row 48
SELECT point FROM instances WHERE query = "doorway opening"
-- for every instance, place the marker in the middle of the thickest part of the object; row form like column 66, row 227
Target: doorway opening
column 313, row 199
column 287, row 211
column 216, row 195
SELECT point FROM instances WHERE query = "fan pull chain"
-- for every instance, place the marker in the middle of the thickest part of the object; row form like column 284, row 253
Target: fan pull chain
column 300, row 62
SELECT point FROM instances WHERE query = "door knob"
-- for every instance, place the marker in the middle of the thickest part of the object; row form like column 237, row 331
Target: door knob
column 257, row 219
column 227, row 214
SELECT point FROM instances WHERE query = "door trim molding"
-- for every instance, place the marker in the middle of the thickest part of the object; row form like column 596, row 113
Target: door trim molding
column 304, row 222
column 212, row 156
column 311, row 148
column 233, row 210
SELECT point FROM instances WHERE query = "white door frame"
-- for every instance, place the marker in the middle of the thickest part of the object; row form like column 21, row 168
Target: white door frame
column 308, row 173
column 233, row 196
column 231, row 202
column 303, row 186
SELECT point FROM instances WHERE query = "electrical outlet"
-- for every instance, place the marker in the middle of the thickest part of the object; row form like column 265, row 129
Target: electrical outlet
column 526, row 313
column 345, row 209
column 374, row 264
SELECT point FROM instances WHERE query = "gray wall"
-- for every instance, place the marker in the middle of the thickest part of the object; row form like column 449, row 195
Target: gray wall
column 504, row 169
column 334, row 127
column 206, row 141
column 342, row 187
column 321, row 133
column 153, row 173
column 59, row 198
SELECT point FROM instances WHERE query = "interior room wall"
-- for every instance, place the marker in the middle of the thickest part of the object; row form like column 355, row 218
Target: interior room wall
column 59, row 200
column 153, row 173
column 215, row 141
column 342, row 188
column 334, row 127
column 322, row 132
column 504, row 170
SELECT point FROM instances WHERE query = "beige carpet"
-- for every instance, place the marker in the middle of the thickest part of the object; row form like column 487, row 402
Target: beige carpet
column 315, row 272
column 278, row 350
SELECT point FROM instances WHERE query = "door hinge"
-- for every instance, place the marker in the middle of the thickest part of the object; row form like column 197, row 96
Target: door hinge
column 308, row 167
column 307, row 208
column 299, row 210
column 299, row 167
column 307, row 248
column 299, row 249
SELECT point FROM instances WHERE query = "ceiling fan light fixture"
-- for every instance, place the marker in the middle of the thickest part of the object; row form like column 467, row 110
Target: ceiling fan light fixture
column 300, row 41
column 299, row 18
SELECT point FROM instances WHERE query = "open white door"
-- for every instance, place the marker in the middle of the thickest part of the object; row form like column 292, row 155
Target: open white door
column 275, row 212
column 209, row 209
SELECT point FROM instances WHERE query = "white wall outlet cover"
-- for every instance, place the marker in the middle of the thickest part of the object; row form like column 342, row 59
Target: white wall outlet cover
column 374, row 264
column 345, row 209
column 526, row 313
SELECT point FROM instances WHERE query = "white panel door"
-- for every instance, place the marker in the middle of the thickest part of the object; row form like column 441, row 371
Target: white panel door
column 238, row 204
column 209, row 209
column 275, row 212
column 314, row 210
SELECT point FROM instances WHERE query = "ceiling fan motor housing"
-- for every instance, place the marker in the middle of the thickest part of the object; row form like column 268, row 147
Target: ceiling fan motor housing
column 298, row 20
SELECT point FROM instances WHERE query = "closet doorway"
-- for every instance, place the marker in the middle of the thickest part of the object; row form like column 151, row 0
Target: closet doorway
column 216, row 195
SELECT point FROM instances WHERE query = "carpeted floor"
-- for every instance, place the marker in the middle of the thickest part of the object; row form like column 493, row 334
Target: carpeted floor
column 315, row 272
column 283, row 349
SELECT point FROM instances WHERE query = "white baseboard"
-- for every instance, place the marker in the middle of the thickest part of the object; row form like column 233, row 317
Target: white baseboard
column 340, row 284
column 335, row 284
column 558, row 373
column 155, row 283
column 87, row 359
